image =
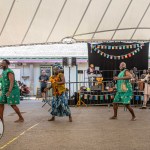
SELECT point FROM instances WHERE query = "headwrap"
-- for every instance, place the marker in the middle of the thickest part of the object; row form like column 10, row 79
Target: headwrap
column 57, row 66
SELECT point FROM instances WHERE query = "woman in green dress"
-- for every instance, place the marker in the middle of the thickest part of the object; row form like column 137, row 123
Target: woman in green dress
column 124, row 91
column 10, row 91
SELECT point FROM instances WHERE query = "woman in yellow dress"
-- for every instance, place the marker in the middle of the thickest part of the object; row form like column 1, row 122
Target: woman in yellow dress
column 60, row 101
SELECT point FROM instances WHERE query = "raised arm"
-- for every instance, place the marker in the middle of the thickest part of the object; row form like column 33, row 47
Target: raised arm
column 127, row 76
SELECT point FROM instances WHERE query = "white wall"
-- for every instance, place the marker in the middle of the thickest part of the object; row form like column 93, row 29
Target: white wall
column 73, row 77
column 36, row 77
column 16, row 72
column 25, row 71
column 83, row 77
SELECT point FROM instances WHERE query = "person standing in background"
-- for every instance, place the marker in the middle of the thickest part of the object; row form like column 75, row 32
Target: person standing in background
column 143, row 75
column 141, row 84
column 43, row 79
column 91, row 69
column 146, row 80
column 90, row 72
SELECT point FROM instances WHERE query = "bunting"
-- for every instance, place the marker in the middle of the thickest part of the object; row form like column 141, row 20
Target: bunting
column 119, row 47
column 99, row 49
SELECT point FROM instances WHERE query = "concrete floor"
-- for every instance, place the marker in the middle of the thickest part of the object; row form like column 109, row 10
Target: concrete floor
column 91, row 129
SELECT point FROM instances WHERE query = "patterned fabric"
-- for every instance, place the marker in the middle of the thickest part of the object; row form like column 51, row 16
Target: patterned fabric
column 60, row 106
column 61, row 88
column 57, row 89
column 121, row 96
column 14, row 97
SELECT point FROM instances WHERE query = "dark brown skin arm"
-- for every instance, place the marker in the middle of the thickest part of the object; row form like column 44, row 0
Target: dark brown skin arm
column 11, row 79
column 126, row 77
column 62, row 78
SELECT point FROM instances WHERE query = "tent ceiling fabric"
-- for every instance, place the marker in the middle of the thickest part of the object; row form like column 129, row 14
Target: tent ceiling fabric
column 48, row 21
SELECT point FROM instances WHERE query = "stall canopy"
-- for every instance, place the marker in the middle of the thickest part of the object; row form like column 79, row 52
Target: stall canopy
column 48, row 21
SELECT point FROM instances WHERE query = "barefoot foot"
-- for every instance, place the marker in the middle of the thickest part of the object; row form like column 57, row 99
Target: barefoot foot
column 70, row 119
column 133, row 119
column 19, row 120
column 52, row 119
column 113, row 117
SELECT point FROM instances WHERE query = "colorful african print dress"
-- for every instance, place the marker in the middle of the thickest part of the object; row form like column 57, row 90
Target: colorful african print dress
column 60, row 100
column 14, row 97
column 123, row 97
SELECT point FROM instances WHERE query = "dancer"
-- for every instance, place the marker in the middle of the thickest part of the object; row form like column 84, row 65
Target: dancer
column 124, row 91
column 60, row 106
column 10, row 91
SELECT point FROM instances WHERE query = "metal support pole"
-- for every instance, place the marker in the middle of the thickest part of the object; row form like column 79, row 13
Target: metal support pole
column 76, row 77
column 69, row 83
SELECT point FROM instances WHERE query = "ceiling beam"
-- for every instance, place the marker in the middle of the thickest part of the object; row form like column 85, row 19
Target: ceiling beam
column 121, row 19
column 144, row 28
column 31, row 21
column 56, row 21
column 82, row 17
column 7, row 17
column 101, row 19
column 140, row 21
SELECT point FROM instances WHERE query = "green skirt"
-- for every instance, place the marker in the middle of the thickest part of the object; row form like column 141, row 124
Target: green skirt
column 123, row 97
column 13, row 99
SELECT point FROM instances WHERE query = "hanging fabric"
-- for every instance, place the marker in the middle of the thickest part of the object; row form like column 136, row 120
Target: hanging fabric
column 106, row 96
column 101, row 97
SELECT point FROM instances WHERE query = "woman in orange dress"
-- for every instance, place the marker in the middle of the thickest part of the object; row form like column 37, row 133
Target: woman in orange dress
column 60, row 101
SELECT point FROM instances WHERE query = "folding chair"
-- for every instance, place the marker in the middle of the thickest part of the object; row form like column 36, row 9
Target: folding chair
column 48, row 100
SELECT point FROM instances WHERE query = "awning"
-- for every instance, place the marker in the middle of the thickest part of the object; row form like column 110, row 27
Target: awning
column 49, row 21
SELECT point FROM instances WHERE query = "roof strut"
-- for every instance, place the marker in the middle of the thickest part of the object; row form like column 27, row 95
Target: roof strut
column 101, row 19
column 7, row 17
column 31, row 21
column 56, row 21
column 140, row 21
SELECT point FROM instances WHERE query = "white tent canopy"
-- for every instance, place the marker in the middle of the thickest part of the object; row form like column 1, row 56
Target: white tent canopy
column 46, row 21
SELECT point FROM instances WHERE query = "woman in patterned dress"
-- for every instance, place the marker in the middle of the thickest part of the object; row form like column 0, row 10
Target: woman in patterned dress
column 10, row 91
column 124, row 91
column 146, row 80
column 60, row 106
